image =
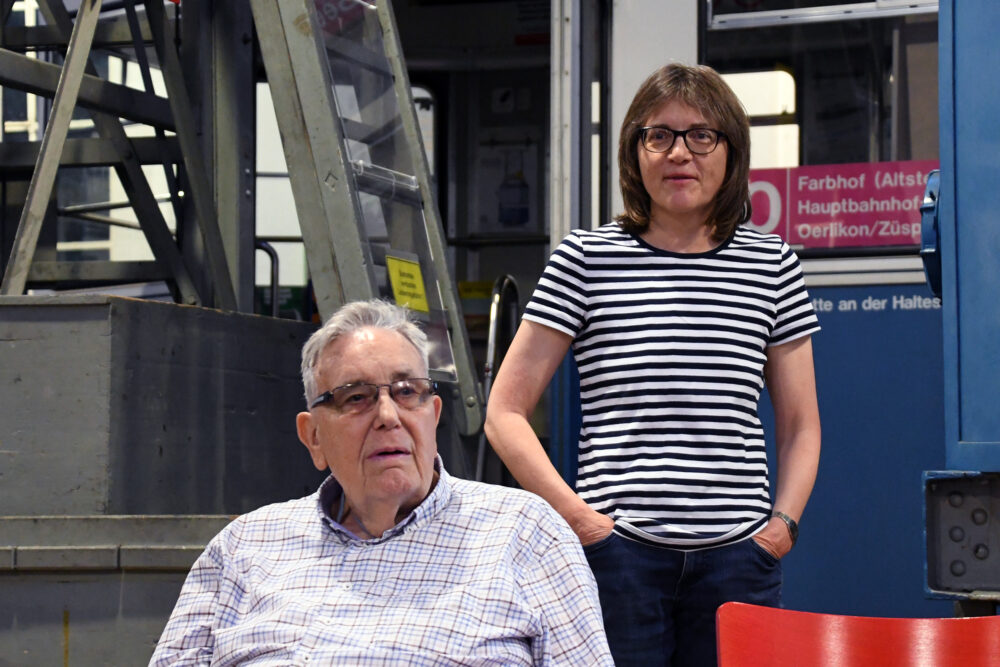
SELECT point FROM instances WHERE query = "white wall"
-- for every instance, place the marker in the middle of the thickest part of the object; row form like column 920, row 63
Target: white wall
column 645, row 34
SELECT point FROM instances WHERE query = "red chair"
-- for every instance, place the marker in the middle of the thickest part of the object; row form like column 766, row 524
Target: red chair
column 754, row 636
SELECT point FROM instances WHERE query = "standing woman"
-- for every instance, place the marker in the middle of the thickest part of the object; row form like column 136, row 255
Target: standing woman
column 676, row 314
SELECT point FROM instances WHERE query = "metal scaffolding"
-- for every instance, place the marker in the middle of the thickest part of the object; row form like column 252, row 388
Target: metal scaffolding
column 359, row 175
column 170, row 418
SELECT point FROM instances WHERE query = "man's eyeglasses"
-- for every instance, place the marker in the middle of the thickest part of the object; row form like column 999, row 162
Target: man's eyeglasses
column 699, row 140
column 360, row 397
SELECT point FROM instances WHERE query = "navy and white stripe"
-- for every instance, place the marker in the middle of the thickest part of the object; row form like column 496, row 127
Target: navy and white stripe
column 671, row 350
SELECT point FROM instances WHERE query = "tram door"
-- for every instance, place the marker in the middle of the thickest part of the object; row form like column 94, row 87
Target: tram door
column 841, row 150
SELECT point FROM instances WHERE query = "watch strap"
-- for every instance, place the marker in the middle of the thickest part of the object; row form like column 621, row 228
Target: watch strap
column 793, row 528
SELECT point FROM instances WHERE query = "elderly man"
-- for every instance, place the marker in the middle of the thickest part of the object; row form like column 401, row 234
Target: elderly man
column 391, row 560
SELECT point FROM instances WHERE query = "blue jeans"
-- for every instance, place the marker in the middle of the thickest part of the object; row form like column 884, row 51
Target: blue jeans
column 659, row 604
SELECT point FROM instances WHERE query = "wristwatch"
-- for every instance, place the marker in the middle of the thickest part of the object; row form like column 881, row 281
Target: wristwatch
column 793, row 528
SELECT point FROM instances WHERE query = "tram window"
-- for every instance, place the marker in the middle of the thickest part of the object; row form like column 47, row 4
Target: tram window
column 842, row 147
column 769, row 99
column 752, row 6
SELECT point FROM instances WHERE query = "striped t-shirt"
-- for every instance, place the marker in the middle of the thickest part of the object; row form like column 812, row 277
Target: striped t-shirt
column 671, row 350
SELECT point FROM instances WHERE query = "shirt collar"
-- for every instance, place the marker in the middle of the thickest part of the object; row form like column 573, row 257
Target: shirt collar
column 329, row 493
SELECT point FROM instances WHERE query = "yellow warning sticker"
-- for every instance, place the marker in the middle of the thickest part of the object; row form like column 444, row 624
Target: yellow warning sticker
column 407, row 283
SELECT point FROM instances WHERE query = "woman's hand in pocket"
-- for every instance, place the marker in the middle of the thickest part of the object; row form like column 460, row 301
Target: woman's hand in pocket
column 774, row 538
column 592, row 527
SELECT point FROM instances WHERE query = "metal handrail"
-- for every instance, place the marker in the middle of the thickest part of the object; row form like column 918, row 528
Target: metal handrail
column 504, row 299
column 273, row 254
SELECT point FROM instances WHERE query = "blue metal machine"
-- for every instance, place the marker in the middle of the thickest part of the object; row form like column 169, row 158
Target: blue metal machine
column 961, row 246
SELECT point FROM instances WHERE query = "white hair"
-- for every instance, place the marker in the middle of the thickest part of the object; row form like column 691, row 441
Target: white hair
column 352, row 317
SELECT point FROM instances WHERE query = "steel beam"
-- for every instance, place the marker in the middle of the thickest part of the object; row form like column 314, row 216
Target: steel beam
column 198, row 182
column 106, row 220
column 228, row 109
column 96, row 272
column 138, row 45
column 110, row 33
column 129, row 171
column 90, row 152
column 5, row 7
column 44, row 176
column 41, row 78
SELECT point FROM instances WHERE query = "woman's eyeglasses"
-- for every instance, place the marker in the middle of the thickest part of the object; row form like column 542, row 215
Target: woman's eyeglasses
column 699, row 140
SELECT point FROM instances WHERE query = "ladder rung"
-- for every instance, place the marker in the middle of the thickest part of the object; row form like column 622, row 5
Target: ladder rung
column 353, row 52
column 367, row 134
column 386, row 183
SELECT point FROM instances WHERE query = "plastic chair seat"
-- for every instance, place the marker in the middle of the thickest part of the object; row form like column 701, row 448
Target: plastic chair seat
column 754, row 636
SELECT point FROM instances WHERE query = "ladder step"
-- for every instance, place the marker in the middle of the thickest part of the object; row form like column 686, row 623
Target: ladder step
column 387, row 184
column 368, row 134
column 354, row 53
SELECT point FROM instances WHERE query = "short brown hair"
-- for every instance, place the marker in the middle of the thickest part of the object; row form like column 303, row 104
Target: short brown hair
column 699, row 87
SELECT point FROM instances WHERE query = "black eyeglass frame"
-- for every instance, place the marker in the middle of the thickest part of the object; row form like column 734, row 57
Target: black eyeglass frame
column 327, row 396
column 719, row 135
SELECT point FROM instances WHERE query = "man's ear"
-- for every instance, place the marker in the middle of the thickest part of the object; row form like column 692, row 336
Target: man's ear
column 306, row 427
column 437, row 409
